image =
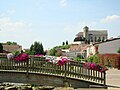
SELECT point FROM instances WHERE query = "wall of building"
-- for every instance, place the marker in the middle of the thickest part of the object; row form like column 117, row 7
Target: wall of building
column 12, row 48
column 110, row 47
column 91, row 51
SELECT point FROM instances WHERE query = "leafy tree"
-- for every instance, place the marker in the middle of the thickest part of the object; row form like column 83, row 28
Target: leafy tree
column 41, row 49
column 11, row 43
column 36, row 48
column 29, row 52
column 1, row 48
column 53, row 52
column 14, row 43
column 63, row 43
column 31, row 47
column 66, row 42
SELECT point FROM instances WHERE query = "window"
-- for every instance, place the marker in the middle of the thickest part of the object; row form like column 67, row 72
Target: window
column 103, row 39
column 95, row 39
column 99, row 39
column 91, row 39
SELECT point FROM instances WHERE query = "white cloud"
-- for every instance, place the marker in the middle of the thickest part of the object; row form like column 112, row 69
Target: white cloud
column 109, row 19
column 2, row 14
column 7, row 24
column 13, row 30
column 7, row 13
column 63, row 3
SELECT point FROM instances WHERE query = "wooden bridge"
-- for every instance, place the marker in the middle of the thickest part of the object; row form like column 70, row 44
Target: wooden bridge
column 39, row 71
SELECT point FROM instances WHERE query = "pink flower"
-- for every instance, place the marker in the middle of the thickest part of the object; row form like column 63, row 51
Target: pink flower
column 40, row 55
column 93, row 66
column 22, row 57
column 62, row 62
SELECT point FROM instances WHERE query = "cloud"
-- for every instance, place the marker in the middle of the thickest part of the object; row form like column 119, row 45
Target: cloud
column 14, row 30
column 109, row 19
column 63, row 3
column 7, row 13
column 7, row 24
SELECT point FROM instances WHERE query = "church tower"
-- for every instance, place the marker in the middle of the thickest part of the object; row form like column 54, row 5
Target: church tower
column 85, row 32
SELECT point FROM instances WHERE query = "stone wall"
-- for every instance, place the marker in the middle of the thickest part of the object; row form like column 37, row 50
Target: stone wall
column 42, row 79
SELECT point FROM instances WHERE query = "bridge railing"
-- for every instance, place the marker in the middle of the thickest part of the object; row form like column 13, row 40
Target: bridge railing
column 69, row 70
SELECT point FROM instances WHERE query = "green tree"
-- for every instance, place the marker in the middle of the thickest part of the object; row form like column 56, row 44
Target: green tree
column 31, row 47
column 1, row 48
column 8, row 43
column 14, row 43
column 53, row 52
column 63, row 43
column 37, row 48
column 66, row 42
column 11, row 43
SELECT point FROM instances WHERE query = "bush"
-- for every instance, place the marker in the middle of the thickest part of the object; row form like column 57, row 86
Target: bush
column 93, row 58
column 113, row 59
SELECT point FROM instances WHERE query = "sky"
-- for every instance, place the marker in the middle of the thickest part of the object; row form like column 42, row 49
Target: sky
column 52, row 22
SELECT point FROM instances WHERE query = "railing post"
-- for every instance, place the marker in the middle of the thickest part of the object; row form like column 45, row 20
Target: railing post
column 66, row 83
column 65, row 72
column 27, row 68
column 104, row 78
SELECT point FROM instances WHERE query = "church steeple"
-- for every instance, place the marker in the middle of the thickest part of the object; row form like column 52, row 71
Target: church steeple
column 85, row 32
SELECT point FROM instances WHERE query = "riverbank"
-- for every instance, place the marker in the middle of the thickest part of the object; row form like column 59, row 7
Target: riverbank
column 20, row 86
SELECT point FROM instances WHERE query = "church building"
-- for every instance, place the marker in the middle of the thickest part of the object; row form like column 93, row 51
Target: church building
column 88, row 36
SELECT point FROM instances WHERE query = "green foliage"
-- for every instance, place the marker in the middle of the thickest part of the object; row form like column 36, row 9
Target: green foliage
column 16, row 52
column 93, row 58
column 63, row 43
column 118, row 51
column 29, row 52
column 11, row 43
column 66, row 42
column 1, row 48
column 53, row 51
column 36, row 48
column 63, row 47
column 79, row 58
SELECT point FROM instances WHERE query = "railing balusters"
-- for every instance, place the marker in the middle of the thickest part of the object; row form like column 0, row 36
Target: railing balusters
column 71, row 69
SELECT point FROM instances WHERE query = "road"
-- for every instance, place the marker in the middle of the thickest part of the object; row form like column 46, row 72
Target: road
column 113, row 78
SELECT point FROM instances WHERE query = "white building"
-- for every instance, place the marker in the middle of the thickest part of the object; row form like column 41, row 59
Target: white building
column 107, row 47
